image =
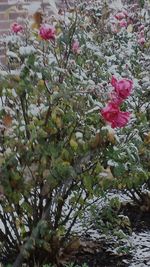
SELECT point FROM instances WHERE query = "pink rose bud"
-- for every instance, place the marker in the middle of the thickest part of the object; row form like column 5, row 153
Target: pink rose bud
column 141, row 41
column 141, row 34
column 15, row 27
column 47, row 32
column 120, row 15
column 141, row 27
column 116, row 118
column 123, row 23
column 75, row 47
column 114, row 30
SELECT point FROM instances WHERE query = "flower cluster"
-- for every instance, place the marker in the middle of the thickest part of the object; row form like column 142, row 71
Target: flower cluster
column 46, row 32
column 112, row 113
column 122, row 18
column 141, row 35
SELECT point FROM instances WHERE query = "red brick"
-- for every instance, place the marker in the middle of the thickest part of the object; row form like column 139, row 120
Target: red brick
column 3, row 16
column 4, row 25
column 4, row 7
column 3, row 1
column 15, row 15
column 2, row 60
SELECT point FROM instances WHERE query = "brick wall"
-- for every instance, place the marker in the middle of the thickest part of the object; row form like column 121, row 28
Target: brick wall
column 10, row 10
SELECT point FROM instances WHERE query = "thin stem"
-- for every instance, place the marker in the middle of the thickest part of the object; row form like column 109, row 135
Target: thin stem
column 25, row 116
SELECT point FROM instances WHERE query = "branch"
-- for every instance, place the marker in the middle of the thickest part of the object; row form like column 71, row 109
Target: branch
column 25, row 117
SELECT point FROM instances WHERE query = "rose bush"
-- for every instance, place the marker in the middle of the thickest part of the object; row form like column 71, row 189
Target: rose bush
column 58, row 151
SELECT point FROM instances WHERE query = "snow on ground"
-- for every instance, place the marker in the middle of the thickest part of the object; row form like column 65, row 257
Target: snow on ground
column 141, row 249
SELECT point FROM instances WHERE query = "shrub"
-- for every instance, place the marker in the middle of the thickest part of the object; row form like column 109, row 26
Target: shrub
column 56, row 151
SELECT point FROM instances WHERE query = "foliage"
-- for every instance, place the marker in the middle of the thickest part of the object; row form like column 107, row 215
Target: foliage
column 68, row 265
column 57, row 152
column 111, row 224
column 108, row 218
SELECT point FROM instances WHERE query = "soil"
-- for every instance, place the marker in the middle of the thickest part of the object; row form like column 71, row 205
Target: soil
column 102, row 259
column 140, row 219
column 94, row 254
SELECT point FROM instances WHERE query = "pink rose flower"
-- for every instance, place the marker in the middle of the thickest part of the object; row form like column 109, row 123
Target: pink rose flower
column 115, row 98
column 141, row 41
column 47, row 32
column 120, row 15
column 123, row 23
column 122, row 88
column 75, row 47
column 112, row 114
column 15, row 27
column 121, row 120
